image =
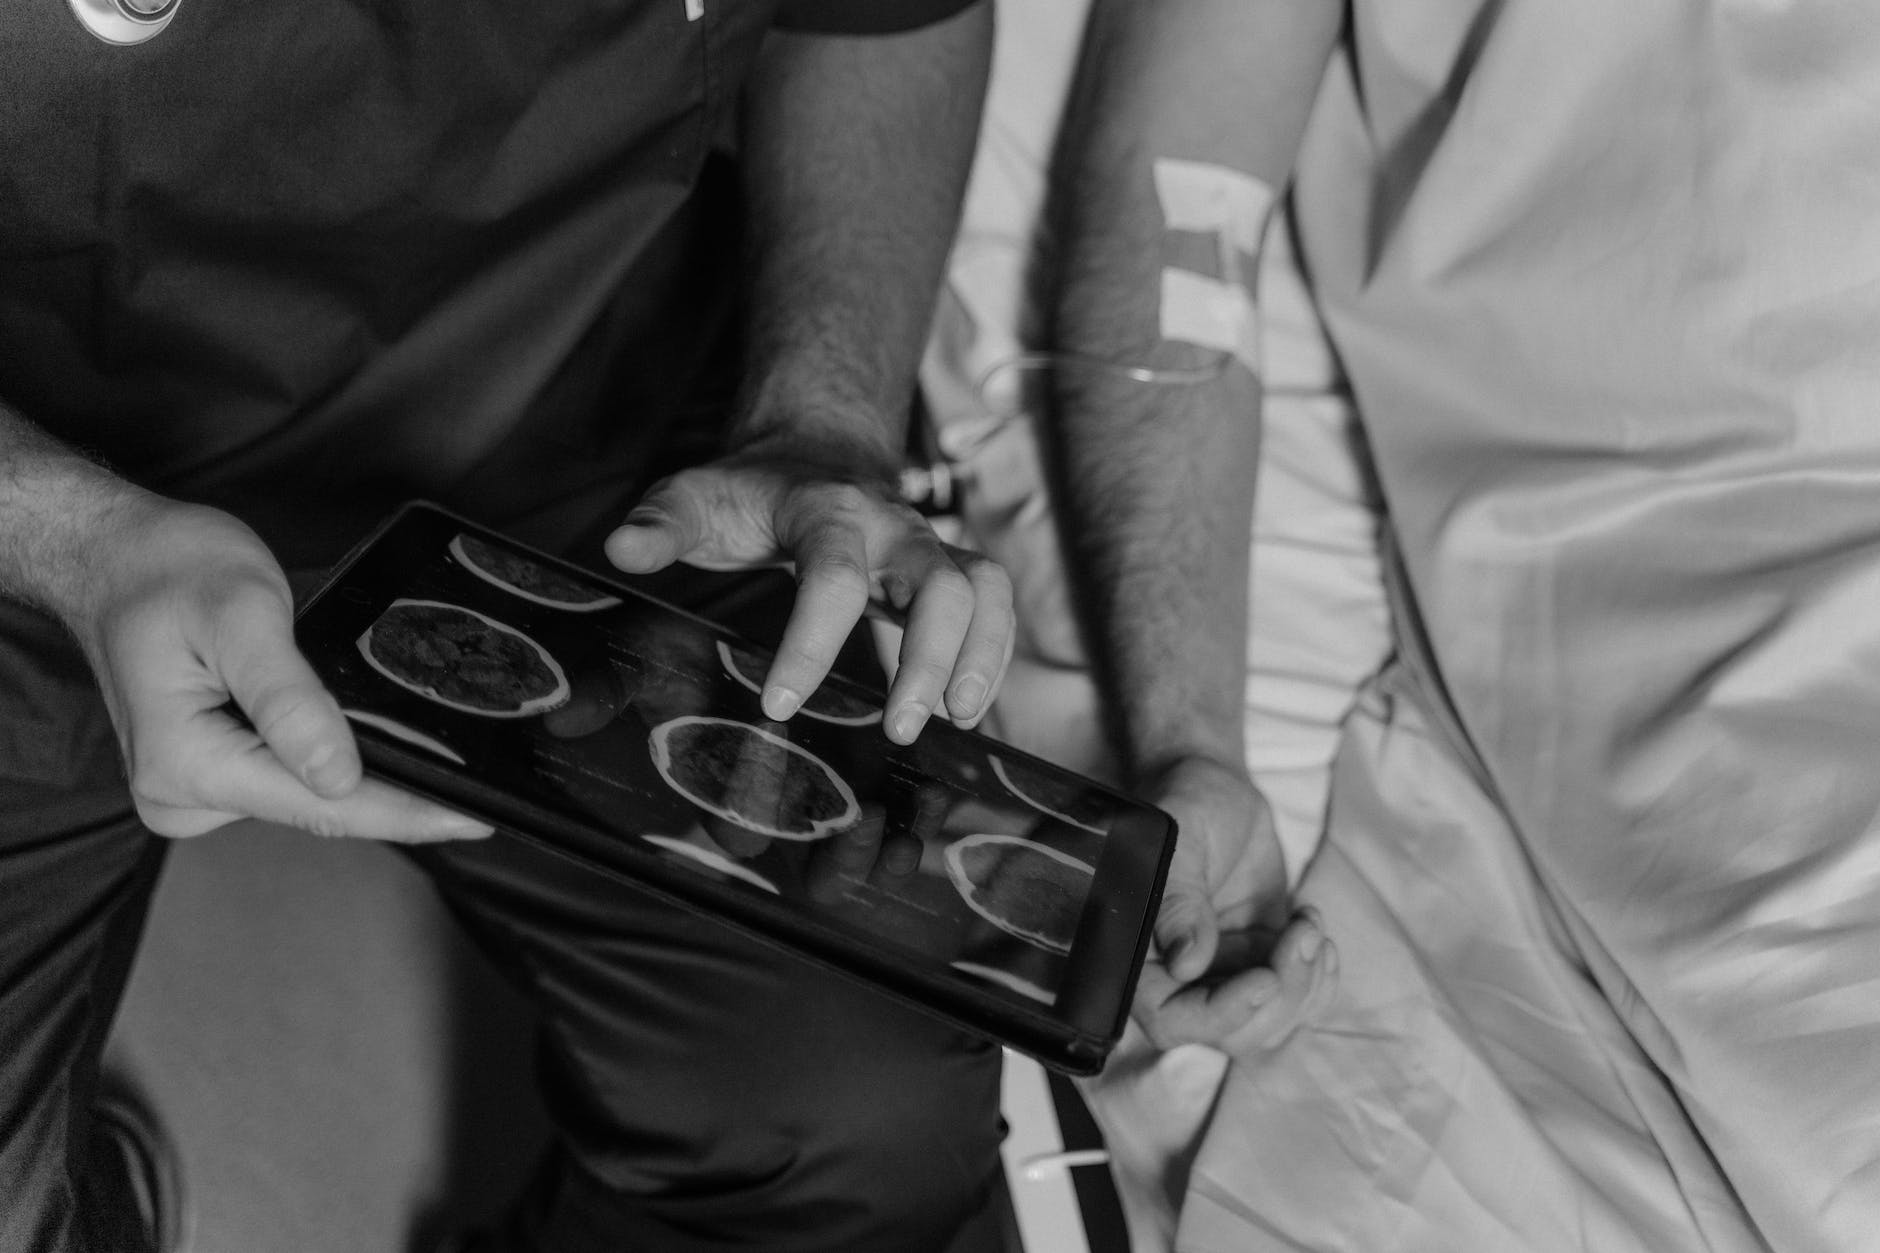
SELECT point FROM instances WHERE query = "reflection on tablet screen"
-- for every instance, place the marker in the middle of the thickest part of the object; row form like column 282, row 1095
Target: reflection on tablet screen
column 635, row 720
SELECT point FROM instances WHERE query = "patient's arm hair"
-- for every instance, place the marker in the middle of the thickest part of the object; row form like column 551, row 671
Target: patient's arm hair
column 1156, row 478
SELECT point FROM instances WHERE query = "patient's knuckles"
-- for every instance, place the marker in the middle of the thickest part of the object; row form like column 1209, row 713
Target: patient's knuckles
column 1198, row 1015
column 1169, row 1030
column 1220, row 1022
column 1263, row 1032
column 1182, row 900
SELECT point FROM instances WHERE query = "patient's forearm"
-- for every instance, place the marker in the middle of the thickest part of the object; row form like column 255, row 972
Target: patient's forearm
column 1159, row 473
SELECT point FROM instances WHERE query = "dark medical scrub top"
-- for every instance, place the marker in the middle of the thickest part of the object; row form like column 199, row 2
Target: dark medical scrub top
column 305, row 259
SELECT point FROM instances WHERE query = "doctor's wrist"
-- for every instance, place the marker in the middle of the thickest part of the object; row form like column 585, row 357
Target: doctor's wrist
column 842, row 451
column 59, row 515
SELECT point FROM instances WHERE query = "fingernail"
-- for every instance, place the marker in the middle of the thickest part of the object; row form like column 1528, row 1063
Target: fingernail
column 1309, row 944
column 967, row 694
column 909, row 721
column 780, row 703
column 323, row 772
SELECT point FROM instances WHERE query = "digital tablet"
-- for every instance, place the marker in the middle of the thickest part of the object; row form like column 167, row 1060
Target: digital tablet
column 980, row 884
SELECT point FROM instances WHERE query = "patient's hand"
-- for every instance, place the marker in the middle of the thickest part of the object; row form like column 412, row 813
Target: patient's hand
column 1230, row 967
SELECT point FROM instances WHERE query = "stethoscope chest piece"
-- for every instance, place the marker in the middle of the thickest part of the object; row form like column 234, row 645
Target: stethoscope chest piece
column 125, row 21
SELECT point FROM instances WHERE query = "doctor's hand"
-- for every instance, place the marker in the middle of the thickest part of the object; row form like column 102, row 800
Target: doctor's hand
column 1229, row 967
column 852, row 541
column 187, row 611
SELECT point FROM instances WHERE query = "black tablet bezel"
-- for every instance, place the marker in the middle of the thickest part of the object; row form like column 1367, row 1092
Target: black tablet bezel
column 1074, row 1035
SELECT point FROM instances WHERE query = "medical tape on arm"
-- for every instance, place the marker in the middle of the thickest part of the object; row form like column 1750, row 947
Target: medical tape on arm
column 1211, row 311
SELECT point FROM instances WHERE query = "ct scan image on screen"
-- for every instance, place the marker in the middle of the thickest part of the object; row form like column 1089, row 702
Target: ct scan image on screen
column 645, row 723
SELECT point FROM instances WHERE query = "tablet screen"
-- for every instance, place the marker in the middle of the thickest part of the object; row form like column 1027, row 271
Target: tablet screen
column 634, row 728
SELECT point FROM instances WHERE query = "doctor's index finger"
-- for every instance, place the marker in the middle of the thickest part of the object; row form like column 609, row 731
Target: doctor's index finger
column 833, row 585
